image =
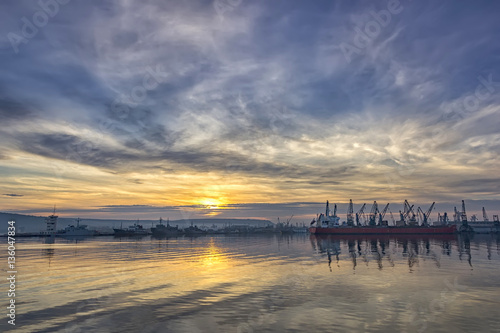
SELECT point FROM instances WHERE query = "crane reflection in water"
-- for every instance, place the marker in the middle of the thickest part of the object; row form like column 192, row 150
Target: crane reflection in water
column 387, row 251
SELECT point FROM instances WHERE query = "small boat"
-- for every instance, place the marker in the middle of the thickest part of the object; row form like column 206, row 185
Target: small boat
column 133, row 230
column 163, row 230
column 78, row 230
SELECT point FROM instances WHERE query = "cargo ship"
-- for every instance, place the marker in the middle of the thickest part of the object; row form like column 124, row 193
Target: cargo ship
column 330, row 224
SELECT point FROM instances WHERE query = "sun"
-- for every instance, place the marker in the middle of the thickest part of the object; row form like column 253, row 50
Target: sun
column 211, row 203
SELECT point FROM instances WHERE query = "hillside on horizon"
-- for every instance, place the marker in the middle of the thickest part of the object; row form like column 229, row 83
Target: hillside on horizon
column 30, row 223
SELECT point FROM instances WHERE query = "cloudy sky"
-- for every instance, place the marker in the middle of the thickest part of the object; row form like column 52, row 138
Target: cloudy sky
column 247, row 108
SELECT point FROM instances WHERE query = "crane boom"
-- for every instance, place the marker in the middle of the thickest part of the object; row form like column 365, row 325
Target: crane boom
column 381, row 215
column 463, row 215
column 373, row 213
column 409, row 210
column 384, row 210
column 420, row 214
column 350, row 213
column 392, row 218
column 485, row 217
column 360, row 213
column 427, row 214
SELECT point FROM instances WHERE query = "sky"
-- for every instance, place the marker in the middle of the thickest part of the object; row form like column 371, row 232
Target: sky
column 238, row 108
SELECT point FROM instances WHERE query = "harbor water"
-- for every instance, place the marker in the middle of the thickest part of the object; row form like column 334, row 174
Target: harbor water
column 260, row 283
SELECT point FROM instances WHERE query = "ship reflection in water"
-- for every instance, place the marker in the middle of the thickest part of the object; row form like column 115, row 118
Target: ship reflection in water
column 267, row 283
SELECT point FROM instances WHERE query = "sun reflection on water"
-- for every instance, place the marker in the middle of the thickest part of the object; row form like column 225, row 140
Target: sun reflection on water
column 214, row 257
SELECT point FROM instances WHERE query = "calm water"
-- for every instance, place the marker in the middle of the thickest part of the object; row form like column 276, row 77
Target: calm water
column 296, row 283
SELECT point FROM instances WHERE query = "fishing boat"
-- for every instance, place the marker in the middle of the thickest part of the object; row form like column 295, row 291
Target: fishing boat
column 330, row 224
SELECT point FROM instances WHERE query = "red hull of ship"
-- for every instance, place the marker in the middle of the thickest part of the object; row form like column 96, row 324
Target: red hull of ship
column 447, row 229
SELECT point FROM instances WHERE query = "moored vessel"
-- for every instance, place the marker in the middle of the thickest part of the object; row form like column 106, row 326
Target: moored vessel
column 133, row 230
column 163, row 230
column 330, row 224
column 78, row 230
column 384, row 230
column 193, row 230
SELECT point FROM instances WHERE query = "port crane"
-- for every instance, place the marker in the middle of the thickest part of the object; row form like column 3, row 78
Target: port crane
column 360, row 213
column 420, row 214
column 381, row 215
column 425, row 216
column 443, row 219
column 412, row 220
column 373, row 214
column 404, row 215
column 485, row 217
column 463, row 214
column 350, row 213
column 392, row 218
column 456, row 215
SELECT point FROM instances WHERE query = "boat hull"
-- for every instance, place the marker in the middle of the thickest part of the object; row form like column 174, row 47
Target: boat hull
column 76, row 233
column 447, row 229
column 121, row 233
column 163, row 233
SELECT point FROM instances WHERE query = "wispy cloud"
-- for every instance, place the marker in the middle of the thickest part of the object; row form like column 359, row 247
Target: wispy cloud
column 258, row 106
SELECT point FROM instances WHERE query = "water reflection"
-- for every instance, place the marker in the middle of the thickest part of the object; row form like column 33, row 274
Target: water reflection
column 385, row 251
column 269, row 283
